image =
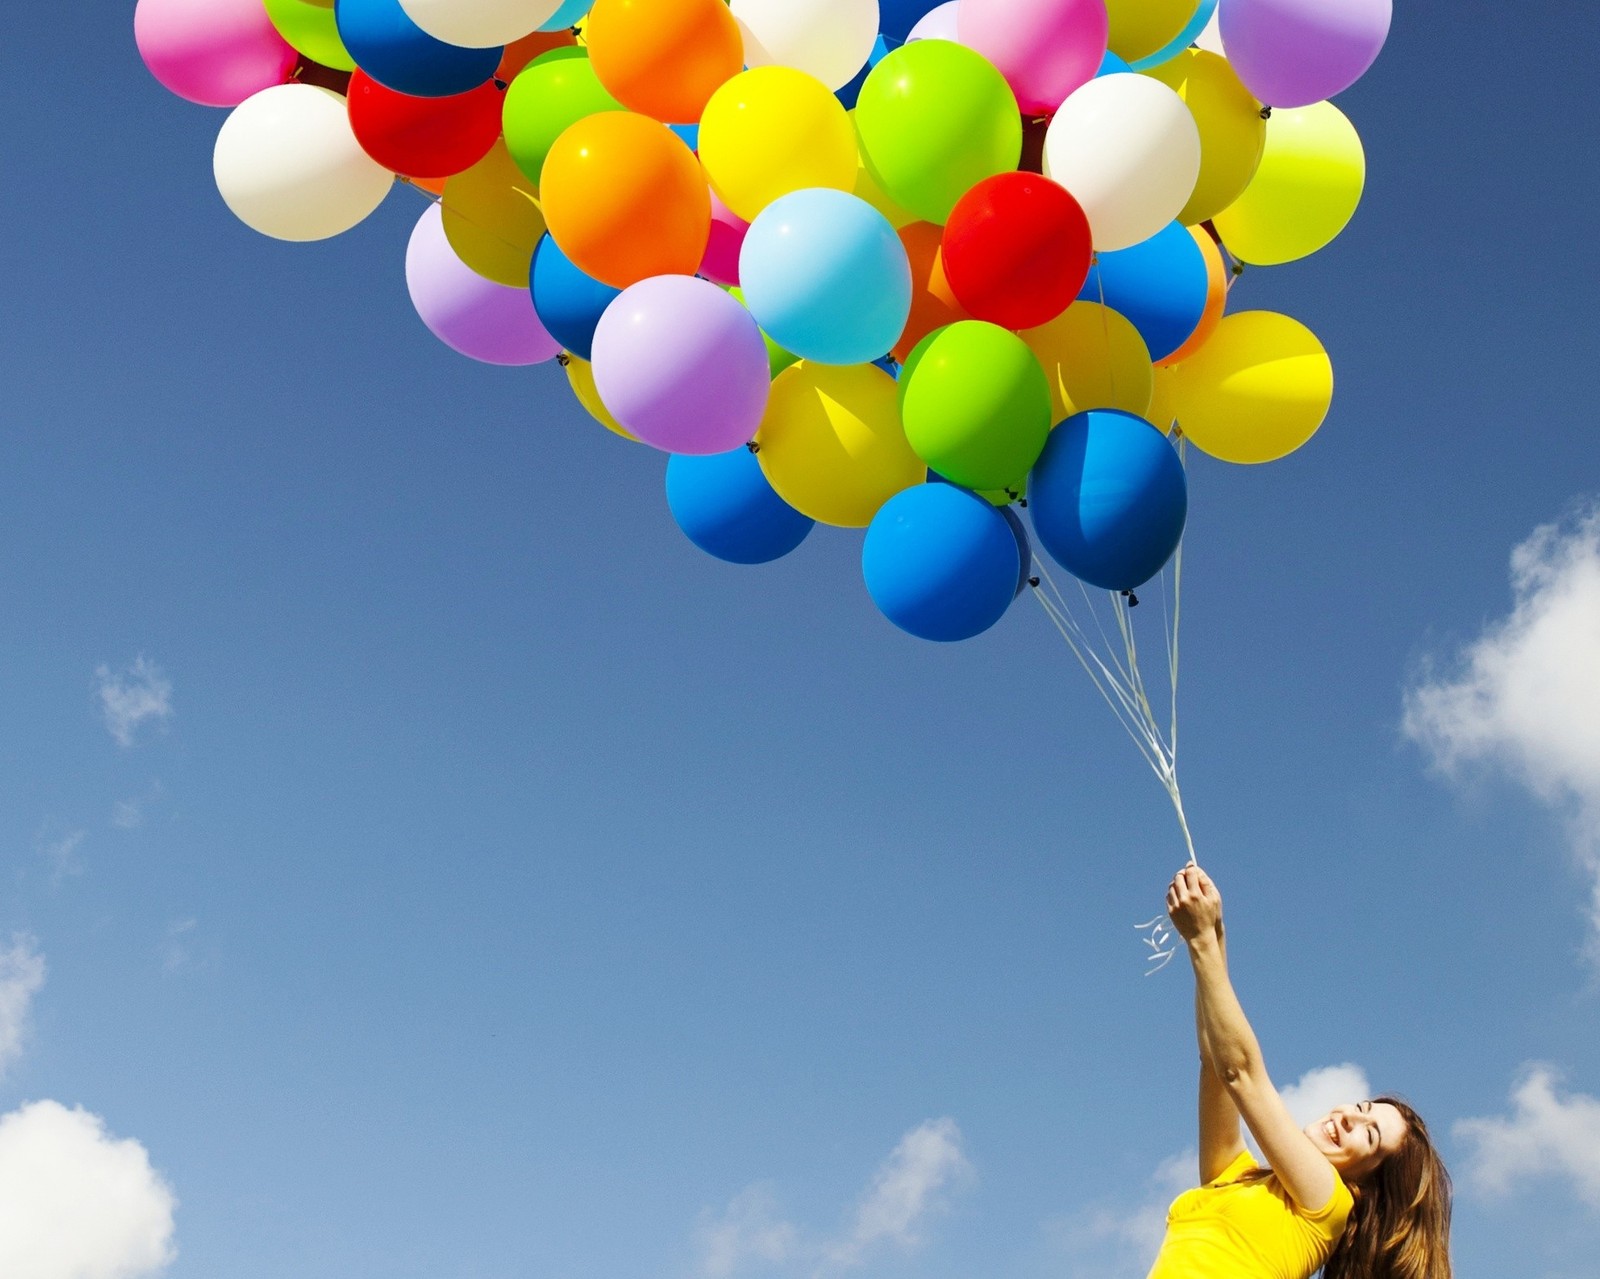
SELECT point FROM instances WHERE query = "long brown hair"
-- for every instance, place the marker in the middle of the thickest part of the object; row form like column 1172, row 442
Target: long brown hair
column 1400, row 1226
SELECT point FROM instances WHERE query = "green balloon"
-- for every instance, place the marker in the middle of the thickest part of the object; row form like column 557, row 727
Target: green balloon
column 555, row 90
column 975, row 404
column 311, row 29
column 934, row 118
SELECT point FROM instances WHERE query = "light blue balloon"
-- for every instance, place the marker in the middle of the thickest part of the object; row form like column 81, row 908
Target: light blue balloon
column 940, row 562
column 567, row 14
column 1190, row 33
column 826, row 277
column 1160, row 284
column 725, row 506
column 1109, row 498
column 1111, row 65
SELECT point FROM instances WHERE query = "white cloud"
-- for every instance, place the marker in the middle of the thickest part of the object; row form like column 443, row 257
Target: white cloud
column 61, row 854
column 911, row 1186
column 1119, row 1239
column 77, row 1203
column 748, row 1231
column 21, row 976
column 129, row 814
column 1547, row 1135
column 130, row 697
column 1525, row 695
column 175, row 946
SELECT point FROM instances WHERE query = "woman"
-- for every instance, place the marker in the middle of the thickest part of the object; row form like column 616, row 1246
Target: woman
column 1360, row 1193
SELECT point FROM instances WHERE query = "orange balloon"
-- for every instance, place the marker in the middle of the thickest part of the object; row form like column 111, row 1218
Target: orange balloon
column 1216, row 298
column 626, row 199
column 933, row 305
column 521, row 52
column 664, row 58
column 434, row 186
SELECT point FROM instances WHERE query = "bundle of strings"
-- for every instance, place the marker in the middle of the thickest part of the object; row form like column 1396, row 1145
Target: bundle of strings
column 1109, row 654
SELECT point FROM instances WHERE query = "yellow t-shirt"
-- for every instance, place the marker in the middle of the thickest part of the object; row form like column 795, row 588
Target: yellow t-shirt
column 1249, row 1230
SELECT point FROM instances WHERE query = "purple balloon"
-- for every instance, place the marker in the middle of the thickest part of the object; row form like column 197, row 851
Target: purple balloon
column 1291, row 53
column 491, row 322
column 682, row 365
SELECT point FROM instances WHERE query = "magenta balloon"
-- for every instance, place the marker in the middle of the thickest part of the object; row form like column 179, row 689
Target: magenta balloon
column 214, row 52
column 1291, row 53
column 721, row 262
column 682, row 365
column 1044, row 48
column 491, row 322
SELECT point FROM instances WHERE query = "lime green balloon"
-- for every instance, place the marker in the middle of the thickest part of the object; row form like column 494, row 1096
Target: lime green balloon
column 975, row 404
column 555, row 90
column 934, row 118
column 1304, row 192
column 778, row 359
column 310, row 29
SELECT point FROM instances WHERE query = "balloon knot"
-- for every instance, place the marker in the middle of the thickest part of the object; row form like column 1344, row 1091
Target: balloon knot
column 1266, row 113
column 564, row 360
column 1023, row 502
column 753, row 447
column 1033, row 582
column 1133, row 600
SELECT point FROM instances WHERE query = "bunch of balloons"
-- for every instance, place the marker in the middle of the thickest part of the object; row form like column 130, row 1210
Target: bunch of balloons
column 882, row 264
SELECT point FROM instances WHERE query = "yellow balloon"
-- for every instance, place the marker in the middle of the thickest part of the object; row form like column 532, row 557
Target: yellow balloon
column 1163, row 411
column 772, row 130
column 831, row 444
column 867, row 188
column 580, row 376
column 1232, row 131
column 1257, row 390
column 1142, row 27
column 1306, row 191
column 1093, row 358
column 492, row 219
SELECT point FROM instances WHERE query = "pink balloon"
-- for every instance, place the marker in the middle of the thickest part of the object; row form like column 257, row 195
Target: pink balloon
column 491, row 322
column 1044, row 48
column 682, row 365
column 214, row 52
column 1291, row 53
column 721, row 262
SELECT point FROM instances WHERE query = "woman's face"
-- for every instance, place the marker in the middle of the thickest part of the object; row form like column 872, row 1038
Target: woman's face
column 1356, row 1138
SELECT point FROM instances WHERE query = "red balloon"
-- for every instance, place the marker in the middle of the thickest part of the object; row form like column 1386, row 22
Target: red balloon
column 424, row 137
column 1016, row 250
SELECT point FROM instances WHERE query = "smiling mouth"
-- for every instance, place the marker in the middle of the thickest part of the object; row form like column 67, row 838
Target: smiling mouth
column 1332, row 1129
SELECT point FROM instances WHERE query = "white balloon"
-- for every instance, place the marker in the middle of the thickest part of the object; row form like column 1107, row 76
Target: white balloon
column 479, row 24
column 937, row 24
column 1128, row 150
column 828, row 39
column 288, row 166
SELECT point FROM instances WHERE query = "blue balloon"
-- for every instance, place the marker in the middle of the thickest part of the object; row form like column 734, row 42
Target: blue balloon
column 1111, row 65
column 1019, row 530
column 1160, row 284
column 569, row 303
column 826, row 277
column 725, row 506
column 897, row 17
column 400, row 55
column 1109, row 498
column 852, row 91
column 940, row 562
column 688, row 134
column 569, row 12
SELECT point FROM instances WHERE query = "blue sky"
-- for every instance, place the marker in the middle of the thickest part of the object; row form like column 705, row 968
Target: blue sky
column 436, row 866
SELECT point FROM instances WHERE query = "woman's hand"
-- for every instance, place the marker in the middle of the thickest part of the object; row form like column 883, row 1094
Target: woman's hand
column 1194, row 904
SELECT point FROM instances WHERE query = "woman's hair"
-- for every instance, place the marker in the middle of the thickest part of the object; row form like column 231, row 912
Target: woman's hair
column 1400, row 1226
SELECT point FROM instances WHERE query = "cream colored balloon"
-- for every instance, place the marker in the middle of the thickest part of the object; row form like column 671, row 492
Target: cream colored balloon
column 479, row 24
column 288, row 166
column 829, row 39
column 1129, row 151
